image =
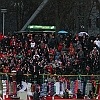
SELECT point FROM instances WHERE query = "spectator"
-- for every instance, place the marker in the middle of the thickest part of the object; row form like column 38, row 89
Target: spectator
column 79, row 94
column 19, row 77
column 97, row 42
column 66, row 94
column 90, row 95
column 36, row 95
column 80, row 53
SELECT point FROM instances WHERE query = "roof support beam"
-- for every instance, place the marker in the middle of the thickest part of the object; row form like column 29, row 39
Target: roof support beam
column 35, row 14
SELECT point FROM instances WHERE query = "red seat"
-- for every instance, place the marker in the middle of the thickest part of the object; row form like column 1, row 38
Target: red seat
column 49, row 98
column 57, row 97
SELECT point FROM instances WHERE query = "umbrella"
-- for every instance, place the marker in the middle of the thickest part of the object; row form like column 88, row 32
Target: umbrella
column 82, row 33
column 62, row 32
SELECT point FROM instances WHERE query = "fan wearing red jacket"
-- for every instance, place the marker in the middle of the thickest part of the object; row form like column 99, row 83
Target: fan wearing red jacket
column 6, row 69
column 49, row 69
column 13, row 41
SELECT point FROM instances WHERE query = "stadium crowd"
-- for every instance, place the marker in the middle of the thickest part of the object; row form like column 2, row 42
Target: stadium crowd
column 46, row 53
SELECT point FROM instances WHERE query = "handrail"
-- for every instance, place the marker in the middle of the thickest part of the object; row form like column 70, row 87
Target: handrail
column 50, row 74
column 67, row 75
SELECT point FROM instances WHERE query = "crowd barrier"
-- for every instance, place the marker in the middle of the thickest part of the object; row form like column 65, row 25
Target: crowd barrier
column 48, row 86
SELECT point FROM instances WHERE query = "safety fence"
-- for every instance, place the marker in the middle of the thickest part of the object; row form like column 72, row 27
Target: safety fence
column 48, row 85
column 42, row 77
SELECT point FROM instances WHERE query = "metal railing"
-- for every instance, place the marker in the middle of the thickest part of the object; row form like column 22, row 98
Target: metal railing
column 42, row 77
